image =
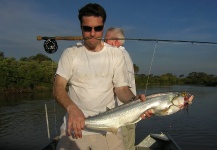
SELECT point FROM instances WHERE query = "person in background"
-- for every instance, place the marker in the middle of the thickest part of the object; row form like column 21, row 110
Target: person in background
column 94, row 72
column 115, row 37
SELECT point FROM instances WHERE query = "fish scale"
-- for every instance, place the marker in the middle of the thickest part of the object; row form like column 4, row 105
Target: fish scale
column 161, row 103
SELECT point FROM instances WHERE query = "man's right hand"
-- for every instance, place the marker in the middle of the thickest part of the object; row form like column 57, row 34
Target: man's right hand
column 76, row 121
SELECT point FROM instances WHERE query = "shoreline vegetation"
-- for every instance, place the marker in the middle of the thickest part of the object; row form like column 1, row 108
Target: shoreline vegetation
column 36, row 74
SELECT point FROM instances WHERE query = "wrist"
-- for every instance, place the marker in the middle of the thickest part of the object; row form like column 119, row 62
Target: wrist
column 70, row 107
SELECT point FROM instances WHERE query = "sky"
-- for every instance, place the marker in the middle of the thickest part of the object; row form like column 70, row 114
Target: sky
column 21, row 21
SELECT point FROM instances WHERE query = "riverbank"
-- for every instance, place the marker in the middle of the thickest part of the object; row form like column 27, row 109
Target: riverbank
column 25, row 90
column 49, row 88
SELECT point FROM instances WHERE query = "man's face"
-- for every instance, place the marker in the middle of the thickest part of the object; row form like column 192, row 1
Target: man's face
column 92, row 28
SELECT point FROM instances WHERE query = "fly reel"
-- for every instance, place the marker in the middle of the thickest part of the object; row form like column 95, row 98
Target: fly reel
column 50, row 46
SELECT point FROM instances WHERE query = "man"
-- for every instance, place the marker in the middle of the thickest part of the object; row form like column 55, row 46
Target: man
column 115, row 37
column 94, row 71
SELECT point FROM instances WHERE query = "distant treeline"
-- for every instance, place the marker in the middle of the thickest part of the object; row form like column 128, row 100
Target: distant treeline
column 193, row 78
column 30, row 74
column 36, row 73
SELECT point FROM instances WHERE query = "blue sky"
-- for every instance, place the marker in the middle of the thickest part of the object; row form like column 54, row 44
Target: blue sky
column 22, row 20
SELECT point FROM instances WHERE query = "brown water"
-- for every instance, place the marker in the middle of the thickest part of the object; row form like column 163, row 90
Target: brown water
column 23, row 121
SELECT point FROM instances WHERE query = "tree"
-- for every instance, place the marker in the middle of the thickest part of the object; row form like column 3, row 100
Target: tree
column 38, row 57
column 136, row 68
column 23, row 59
column 26, row 75
column 181, row 76
column 2, row 55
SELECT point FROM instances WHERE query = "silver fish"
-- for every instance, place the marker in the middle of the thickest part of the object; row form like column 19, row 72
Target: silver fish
column 162, row 104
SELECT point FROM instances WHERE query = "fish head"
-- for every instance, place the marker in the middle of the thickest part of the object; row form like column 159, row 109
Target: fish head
column 178, row 102
column 182, row 99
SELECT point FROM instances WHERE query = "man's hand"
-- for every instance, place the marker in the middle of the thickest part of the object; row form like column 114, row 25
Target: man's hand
column 75, row 115
column 76, row 121
column 147, row 113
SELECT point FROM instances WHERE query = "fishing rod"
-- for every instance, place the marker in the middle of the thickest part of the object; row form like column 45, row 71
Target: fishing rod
column 50, row 44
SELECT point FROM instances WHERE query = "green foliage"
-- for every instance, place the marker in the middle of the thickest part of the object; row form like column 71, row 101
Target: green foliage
column 26, row 76
column 1, row 55
column 136, row 68
column 194, row 78
column 38, row 57
column 200, row 78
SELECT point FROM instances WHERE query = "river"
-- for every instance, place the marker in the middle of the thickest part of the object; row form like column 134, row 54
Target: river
column 23, row 121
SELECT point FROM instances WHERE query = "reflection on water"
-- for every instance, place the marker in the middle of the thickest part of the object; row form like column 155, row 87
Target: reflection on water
column 194, row 128
column 23, row 122
column 16, row 99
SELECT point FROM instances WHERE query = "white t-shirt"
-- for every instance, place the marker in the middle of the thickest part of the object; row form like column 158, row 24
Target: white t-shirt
column 92, row 77
column 130, row 70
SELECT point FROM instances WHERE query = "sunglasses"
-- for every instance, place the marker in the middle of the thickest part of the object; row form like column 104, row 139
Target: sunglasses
column 89, row 29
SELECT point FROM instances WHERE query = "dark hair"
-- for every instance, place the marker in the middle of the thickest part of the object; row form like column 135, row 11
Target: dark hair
column 92, row 9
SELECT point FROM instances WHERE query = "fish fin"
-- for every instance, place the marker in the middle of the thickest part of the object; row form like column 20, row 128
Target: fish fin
column 107, row 129
column 113, row 130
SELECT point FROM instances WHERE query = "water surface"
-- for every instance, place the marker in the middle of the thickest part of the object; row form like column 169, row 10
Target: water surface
column 23, row 121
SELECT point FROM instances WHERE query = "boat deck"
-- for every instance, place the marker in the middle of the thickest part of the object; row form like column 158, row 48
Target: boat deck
column 157, row 142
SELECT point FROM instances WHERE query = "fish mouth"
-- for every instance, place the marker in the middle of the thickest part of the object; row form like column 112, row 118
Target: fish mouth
column 188, row 98
column 185, row 101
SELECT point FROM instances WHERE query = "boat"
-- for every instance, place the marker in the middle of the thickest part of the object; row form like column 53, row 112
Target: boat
column 159, row 141
column 52, row 145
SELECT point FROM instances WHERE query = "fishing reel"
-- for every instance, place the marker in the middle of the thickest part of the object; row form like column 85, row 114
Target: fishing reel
column 50, row 46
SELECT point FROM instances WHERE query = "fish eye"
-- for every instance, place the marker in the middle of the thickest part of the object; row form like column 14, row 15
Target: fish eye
column 184, row 94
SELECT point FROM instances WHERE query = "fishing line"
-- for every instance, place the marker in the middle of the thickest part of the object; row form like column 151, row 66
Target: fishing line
column 52, row 75
column 54, row 102
column 54, row 107
column 152, row 60
column 149, row 72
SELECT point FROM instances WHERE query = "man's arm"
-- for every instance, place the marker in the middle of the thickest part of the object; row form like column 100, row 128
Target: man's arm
column 59, row 92
column 75, row 115
column 124, row 94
